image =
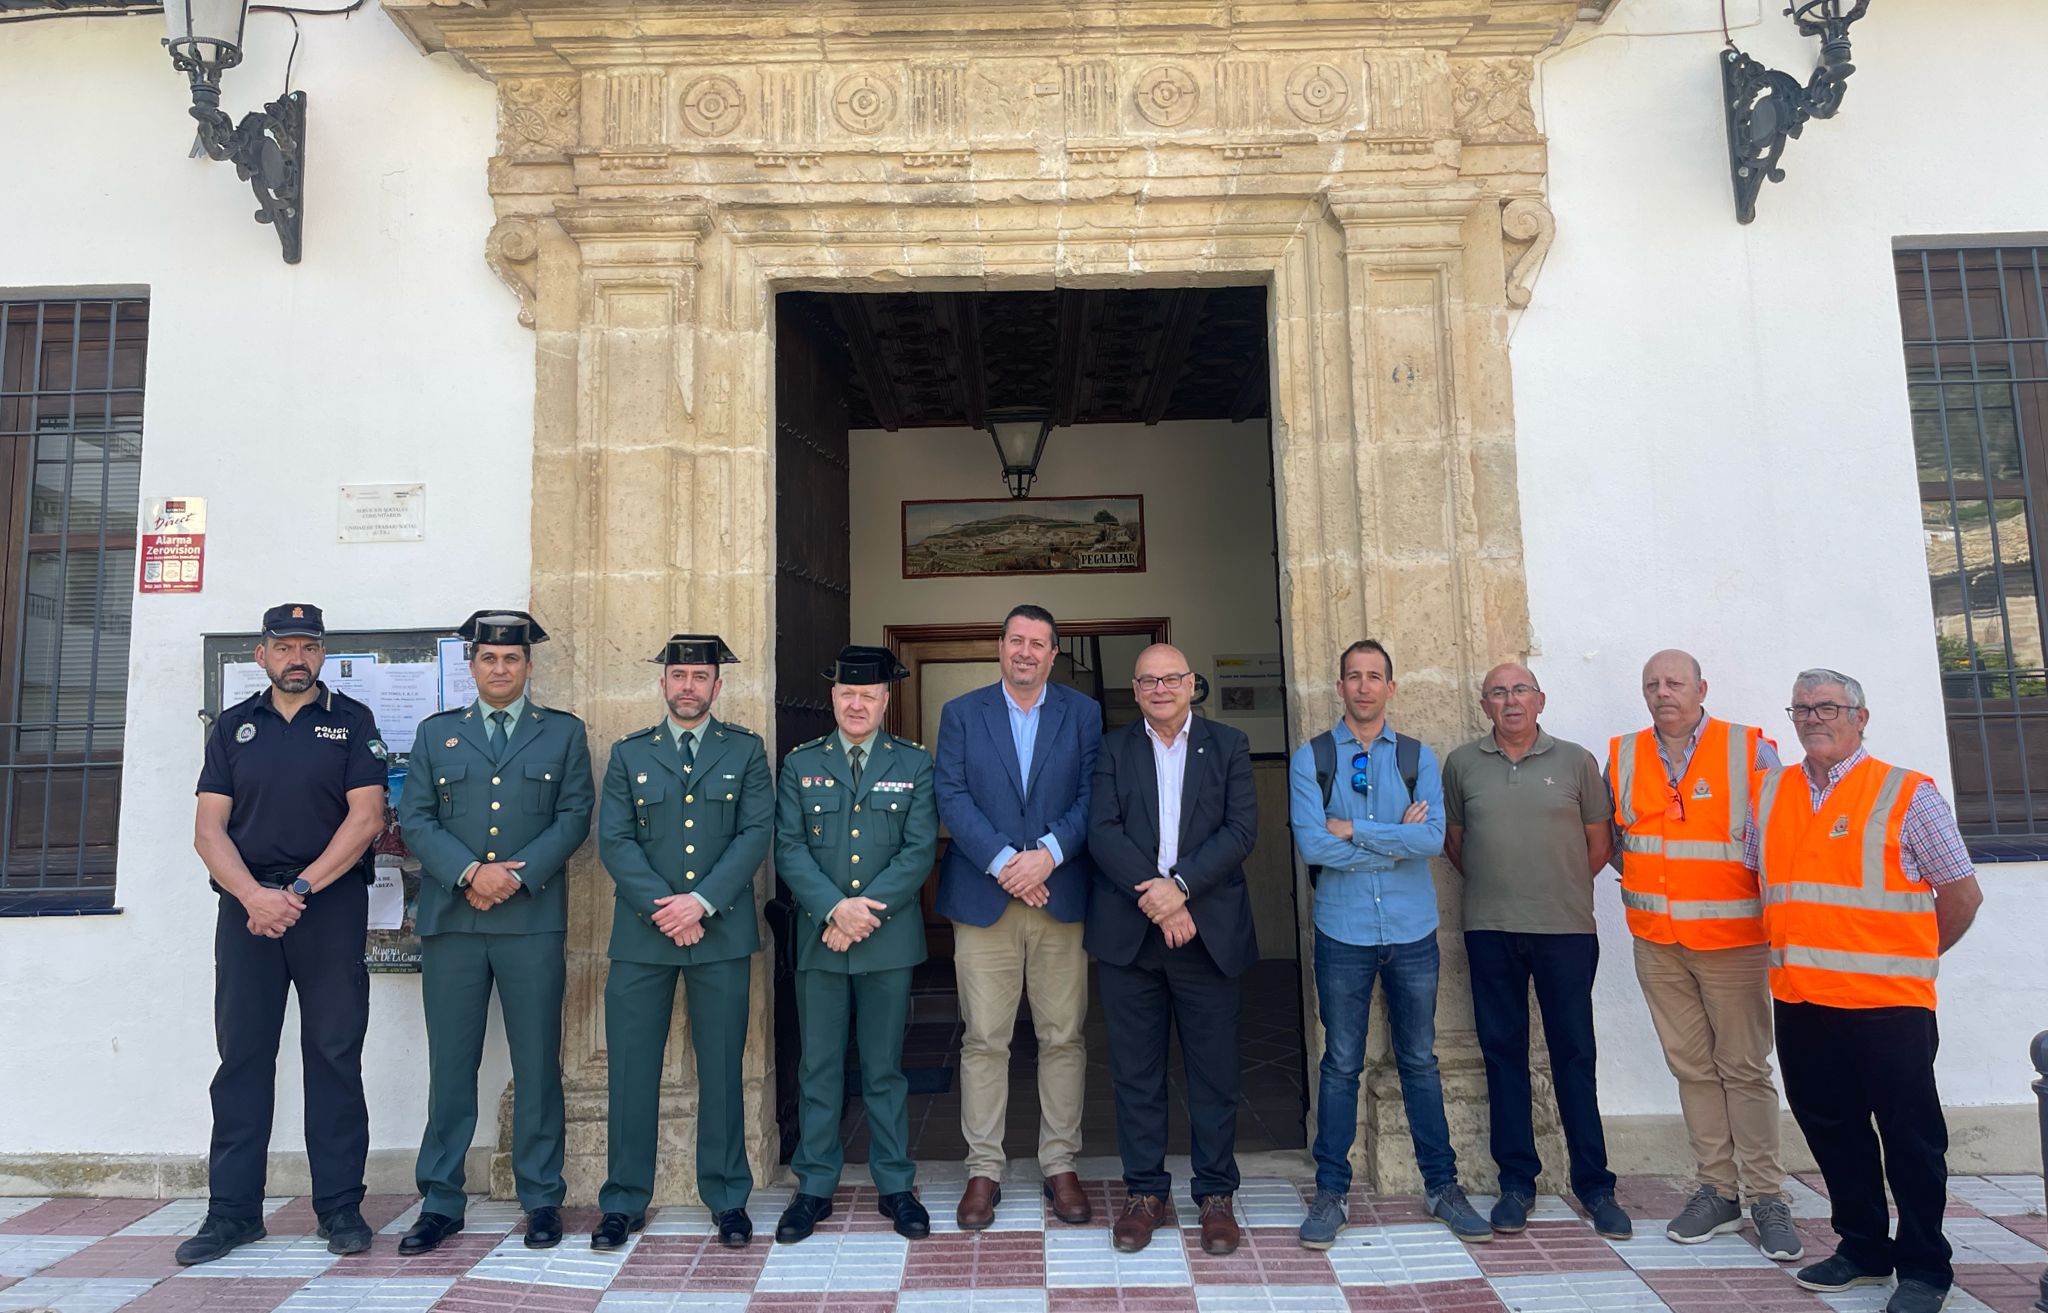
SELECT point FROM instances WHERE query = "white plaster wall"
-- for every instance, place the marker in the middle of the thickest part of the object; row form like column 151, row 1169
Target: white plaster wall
column 1714, row 441
column 1208, row 522
column 390, row 354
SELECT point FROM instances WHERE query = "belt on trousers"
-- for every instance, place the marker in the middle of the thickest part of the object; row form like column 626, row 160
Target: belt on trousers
column 280, row 878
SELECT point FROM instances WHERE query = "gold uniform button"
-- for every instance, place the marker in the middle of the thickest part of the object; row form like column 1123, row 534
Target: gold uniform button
column 689, row 797
column 816, row 808
column 442, row 780
column 689, row 847
column 496, row 780
column 495, row 806
column 689, row 875
column 856, row 834
column 689, row 825
column 728, row 797
column 856, row 884
column 490, row 857
column 547, row 775
column 856, row 859
column 640, row 801
column 494, row 830
column 856, row 806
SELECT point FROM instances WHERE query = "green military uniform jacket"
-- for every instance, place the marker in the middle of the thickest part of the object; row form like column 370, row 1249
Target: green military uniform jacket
column 463, row 803
column 834, row 842
column 665, row 831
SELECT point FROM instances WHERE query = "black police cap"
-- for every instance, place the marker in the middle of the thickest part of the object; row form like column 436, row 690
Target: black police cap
column 507, row 628
column 866, row 665
column 695, row 650
column 294, row 620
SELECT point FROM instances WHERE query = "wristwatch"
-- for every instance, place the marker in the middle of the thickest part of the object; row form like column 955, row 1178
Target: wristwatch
column 1178, row 883
column 301, row 886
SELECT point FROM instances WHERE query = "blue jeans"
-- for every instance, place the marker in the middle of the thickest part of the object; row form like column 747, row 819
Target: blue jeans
column 1503, row 965
column 1344, row 976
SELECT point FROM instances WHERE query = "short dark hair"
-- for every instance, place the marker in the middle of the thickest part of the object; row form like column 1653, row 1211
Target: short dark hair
column 469, row 649
column 1365, row 645
column 1032, row 612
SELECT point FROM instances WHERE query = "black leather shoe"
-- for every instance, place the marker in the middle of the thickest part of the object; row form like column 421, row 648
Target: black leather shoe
column 428, row 1233
column 544, row 1227
column 735, row 1228
column 801, row 1218
column 613, row 1228
column 345, row 1231
column 912, row 1221
column 219, row 1236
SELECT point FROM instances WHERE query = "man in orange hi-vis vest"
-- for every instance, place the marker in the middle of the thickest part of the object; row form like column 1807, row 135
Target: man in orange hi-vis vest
column 1866, row 882
column 1681, row 803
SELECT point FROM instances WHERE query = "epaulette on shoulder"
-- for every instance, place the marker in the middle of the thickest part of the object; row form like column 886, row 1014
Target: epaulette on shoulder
column 739, row 729
column 639, row 733
column 816, row 742
column 450, row 711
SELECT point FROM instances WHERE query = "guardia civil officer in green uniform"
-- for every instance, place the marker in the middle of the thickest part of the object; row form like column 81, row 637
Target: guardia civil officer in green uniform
column 498, row 795
column 856, row 827
column 688, row 814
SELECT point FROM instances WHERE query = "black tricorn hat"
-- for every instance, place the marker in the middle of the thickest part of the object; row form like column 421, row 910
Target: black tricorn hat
column 294, row 620
column 508, row 628
column 695, row 650
column 866, row 665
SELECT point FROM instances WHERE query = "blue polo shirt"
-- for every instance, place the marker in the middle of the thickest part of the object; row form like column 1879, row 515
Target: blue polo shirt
column 1375, row 888
column 288, row 780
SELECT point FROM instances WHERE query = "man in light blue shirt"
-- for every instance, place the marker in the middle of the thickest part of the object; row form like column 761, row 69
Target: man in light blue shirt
column 1372, row 837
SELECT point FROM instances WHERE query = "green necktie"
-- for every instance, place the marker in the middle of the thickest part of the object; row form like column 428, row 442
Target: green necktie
column 853, row 756
column 686, row 748
column 498, row 731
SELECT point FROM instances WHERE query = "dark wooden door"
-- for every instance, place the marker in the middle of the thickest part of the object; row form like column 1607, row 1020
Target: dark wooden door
column 813, row 594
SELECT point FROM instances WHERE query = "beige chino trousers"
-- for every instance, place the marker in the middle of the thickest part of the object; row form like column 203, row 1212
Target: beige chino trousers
column 1712, row 1010
column 1026, row 952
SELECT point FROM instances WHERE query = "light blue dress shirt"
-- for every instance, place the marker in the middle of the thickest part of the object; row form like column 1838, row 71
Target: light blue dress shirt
column 1375, row 888
column 1024, row 738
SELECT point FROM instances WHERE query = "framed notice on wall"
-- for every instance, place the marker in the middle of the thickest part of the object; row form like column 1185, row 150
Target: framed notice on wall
column 1024, row 535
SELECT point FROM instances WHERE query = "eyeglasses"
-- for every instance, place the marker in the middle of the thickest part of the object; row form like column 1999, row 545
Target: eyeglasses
column 1361, row 778
column 1818, row 711
column 1146, row 683
column 1498, row 693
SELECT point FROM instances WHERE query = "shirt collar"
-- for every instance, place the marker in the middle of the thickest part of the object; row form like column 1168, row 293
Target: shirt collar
column 1343, row 734
column 516, row 707
column 847, row 745
column 1839, row 769
column 267, row 699
column 1020, row 708
column 1186, row 727
column 680, row 733
column 1543, row 743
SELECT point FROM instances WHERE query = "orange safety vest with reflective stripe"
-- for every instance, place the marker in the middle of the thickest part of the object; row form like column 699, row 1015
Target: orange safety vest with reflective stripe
column 1847, row 928
column 1682, row 878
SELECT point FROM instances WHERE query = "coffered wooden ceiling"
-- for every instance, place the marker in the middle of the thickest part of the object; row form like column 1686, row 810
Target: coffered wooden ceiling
column 1091, row 356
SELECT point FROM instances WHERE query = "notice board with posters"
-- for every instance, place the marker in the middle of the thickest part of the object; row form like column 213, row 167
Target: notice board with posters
column 397, row 672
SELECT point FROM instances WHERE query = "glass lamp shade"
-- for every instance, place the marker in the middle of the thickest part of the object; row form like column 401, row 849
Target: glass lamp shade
column 1020, row 442
column 206, row 33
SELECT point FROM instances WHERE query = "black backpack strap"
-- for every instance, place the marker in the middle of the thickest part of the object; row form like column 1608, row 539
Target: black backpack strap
column 1324, row 746
column 1408, row 756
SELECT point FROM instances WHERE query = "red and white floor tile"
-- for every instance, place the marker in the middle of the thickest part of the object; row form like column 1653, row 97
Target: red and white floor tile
column 103, row 1255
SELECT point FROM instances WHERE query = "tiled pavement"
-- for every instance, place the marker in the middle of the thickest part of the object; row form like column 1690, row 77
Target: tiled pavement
column 102, row 1255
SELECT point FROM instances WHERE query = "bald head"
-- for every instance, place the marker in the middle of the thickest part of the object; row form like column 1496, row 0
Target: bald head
column 1164, row 685
column 1512, row 700
column 1507, row 674
column 1674, row 692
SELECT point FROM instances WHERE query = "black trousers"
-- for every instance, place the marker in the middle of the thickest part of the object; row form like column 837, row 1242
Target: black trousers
column 1858, row 1079
column 322, row 958
column 1178, row 987
column 1503, row 963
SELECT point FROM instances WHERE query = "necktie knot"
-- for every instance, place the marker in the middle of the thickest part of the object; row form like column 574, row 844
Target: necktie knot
column 499, row 720
column 854, row 757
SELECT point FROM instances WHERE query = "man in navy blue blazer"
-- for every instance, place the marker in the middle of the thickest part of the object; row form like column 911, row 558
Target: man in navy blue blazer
column 1015, row 762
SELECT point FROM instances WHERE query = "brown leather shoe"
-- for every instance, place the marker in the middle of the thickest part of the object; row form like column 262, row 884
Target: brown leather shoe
column 1142, row 1215
column 978, row 1205
column 1219, row 1226
column 1069, row 1201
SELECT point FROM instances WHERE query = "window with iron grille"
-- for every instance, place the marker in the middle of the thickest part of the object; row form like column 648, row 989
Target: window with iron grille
column 1976, row 335
column 71, row 376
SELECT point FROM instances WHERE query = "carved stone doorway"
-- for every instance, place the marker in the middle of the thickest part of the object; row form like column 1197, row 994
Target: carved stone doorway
column 665, row 168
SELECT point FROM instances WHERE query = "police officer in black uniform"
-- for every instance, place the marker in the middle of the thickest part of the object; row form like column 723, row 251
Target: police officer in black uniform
column 290, row 797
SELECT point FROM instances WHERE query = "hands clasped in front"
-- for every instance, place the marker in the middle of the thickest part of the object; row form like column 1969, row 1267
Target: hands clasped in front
column 492, row 883
column 273, row 911
column 852, row 920
column 1024, row 877
column 1162, row 900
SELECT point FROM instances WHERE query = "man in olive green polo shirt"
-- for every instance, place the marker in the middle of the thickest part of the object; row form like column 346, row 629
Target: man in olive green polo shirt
column 1527, row 820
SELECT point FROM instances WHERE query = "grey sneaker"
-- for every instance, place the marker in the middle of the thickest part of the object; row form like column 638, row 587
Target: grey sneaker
column 1326, row 1220
column 1775, row 1234
column 1706, row 1215
column 1450, row 1206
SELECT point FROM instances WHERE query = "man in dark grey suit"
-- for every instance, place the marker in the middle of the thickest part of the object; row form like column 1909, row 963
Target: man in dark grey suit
column 1171, row 819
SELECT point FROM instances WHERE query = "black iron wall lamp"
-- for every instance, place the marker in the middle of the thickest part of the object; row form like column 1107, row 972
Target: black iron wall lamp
column 1765, row 107
column 268, row 146
column 1020, row 436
